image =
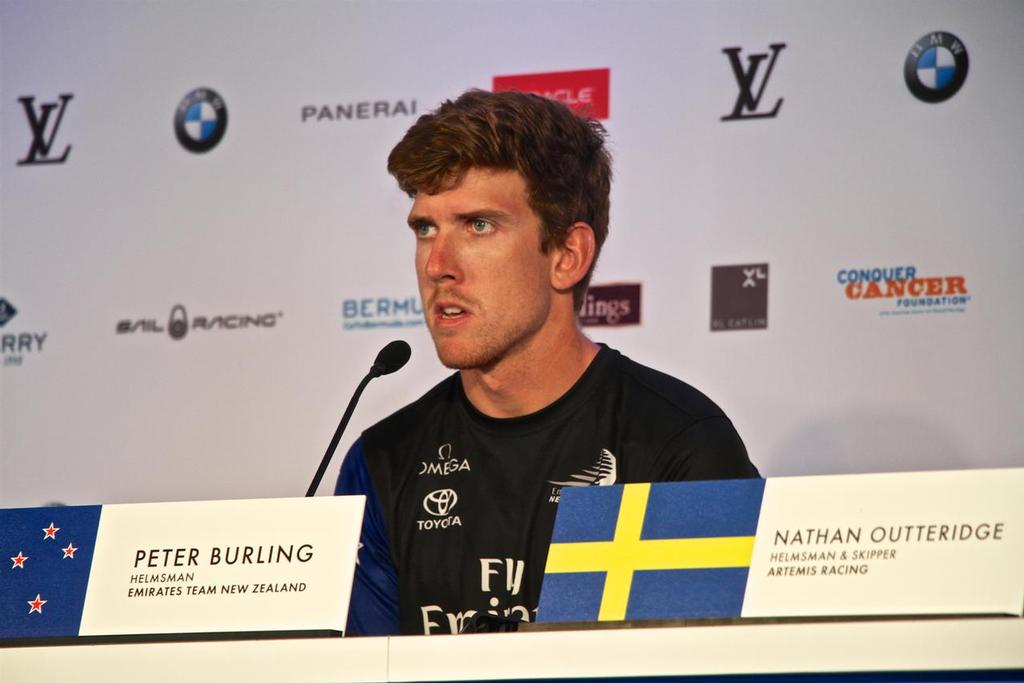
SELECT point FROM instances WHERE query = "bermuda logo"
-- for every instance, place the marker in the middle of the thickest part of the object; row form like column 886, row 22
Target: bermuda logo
column 369, row 313
column 936, row 67
column 43, row 132
column 748, row 101
column 200, row 120
column 439, row 503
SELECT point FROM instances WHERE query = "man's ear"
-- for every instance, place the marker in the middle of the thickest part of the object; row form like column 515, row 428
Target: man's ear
column 573, row 259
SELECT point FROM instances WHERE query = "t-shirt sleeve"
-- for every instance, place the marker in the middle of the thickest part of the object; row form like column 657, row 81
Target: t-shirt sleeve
column 707, row 449
column 373, row 609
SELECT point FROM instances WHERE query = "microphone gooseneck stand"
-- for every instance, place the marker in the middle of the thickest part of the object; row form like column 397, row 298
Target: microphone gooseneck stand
column 391, row 358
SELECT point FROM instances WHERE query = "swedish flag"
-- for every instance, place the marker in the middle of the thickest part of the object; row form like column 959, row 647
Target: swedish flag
column 651, row 551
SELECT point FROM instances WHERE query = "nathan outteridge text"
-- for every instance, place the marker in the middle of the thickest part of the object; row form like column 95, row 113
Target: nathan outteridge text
column 908, row 533
column 238, row 554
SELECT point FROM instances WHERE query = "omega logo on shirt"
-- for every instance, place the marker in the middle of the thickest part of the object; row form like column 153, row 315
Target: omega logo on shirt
column 445, row 464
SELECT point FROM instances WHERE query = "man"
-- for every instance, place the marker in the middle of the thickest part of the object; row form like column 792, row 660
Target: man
column 510, row 209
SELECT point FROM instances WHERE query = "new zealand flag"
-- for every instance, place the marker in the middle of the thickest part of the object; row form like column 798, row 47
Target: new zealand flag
column 46, row 555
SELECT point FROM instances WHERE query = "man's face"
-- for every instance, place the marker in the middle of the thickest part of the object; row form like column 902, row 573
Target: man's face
column 485, row 283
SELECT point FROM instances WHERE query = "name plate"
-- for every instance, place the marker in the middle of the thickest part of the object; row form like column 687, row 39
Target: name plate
column 274, row 565
column 873, row 544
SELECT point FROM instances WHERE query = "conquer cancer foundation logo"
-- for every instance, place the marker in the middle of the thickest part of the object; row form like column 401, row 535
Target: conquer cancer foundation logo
column 904, row 290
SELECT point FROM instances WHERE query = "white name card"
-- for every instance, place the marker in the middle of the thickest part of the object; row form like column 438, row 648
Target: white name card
column 222, row 566
column 899, row 543
column 246, row 565
column 912, row 543
column 198, row 567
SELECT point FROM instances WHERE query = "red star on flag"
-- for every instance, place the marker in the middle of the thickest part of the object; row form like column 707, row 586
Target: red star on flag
column 19, row 561
column 51, row 532
column 69, row 551
column 37, row 604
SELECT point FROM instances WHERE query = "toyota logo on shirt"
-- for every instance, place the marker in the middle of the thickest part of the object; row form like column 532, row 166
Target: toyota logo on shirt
column 440, row 502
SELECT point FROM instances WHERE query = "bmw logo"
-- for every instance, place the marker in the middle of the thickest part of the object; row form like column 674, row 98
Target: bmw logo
column 936, row 67
column 200, row 120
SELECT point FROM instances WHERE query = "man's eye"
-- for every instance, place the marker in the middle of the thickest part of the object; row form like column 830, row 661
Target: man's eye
column 480, row 225
column 424, row 230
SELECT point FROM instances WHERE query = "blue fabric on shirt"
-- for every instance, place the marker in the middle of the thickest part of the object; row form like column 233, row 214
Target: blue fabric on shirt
column 373, row 609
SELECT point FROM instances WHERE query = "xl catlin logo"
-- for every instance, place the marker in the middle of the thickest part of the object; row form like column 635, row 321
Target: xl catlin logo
column 739, row 297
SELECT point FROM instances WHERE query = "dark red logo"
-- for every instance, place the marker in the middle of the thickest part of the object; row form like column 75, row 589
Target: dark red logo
column 585, row 92
column 611, row 305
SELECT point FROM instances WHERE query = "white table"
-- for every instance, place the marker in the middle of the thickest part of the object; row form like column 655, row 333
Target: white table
column 932, row 645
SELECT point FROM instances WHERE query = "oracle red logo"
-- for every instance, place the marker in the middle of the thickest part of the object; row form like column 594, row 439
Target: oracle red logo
column 585, row 92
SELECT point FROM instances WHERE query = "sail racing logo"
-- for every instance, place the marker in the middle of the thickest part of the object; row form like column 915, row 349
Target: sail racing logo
column 178, row 323
column 905, row 290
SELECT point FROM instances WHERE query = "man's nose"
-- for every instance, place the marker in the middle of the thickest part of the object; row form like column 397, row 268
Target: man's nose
column 442, row 260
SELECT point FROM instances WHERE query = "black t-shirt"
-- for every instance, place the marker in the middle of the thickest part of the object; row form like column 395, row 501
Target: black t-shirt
column 465, row 503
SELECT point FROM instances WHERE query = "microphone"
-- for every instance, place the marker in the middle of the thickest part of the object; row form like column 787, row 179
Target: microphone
column 390, row 359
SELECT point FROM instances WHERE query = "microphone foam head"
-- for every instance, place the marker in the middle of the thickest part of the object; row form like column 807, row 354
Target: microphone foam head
column 391, row 358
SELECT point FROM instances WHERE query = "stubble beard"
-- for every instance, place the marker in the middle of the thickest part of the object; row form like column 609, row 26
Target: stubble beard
column 481, row 353
column 484, row 348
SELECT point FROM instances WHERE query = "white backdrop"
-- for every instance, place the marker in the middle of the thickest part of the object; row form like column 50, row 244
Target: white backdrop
column 288, row 219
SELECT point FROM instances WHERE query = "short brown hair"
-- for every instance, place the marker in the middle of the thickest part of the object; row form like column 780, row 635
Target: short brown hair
column 561, row 156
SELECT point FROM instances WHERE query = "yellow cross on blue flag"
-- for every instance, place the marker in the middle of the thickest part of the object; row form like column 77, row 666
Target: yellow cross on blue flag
column 651, row 551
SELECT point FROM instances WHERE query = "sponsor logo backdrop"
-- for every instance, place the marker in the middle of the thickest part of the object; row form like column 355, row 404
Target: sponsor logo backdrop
column 191, row 298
